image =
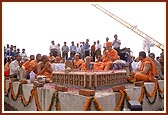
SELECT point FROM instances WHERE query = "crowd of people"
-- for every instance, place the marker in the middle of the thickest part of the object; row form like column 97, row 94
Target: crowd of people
column 83, row 56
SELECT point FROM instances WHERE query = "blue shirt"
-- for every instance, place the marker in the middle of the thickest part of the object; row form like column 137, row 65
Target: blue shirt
column 73, row 48
column 8, row 53
column 86, row 47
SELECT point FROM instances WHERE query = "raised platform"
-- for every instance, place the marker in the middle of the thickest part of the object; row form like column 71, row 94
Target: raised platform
column 25, row 97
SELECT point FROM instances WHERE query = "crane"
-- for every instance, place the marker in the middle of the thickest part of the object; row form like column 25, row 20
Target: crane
column 129, row 26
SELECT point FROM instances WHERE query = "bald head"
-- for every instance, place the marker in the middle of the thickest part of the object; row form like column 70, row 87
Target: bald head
column 44, row 58
column 88, row 59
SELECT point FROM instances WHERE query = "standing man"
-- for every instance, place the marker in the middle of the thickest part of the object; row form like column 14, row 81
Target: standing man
column 93, row 47
column 10, row 53
column 104, row 46
column 59, row 50
column 72, row 48
column 77, row 48
column 65, row 50
column 152, row 55
column 23, row 54
column 82, row 50
column 53, row 48
column 98, row 49
column 87, row 48
column 116, row 44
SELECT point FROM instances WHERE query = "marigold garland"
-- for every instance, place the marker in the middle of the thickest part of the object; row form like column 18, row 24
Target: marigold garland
column 127, row 96
column 121, row 101
column 14, row 97
column 36, row 99
column 160, row 90
column 57, row 104
column 88, row 101
column 142, row 94
column 97, row 105
column 154, row 91
column 151, row 102
column 24, row 101
column 87, row 104
column 52, row 100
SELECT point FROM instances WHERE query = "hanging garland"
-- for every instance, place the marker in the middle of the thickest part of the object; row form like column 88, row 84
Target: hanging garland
column 51, row 103
column 151, row 102
column 87, row 106
column 57, row 103
column 154, row 91
column 121, row 102
column 126, row 95
column 36, row 100
column 98, row 107
column 160, row 90
column 142, row 94
column 14, row 97
column 162, row 97
column 23, row 99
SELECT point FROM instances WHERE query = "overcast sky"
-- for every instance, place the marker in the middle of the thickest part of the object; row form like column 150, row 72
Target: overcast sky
column 33, row 25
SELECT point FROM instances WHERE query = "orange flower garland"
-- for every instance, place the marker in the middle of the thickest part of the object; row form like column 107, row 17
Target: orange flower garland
column 12, row 92
column 88, row 101
column 142, row 94
column 154, row 91
column 30, row 98
column 121, row 101
column 127, row 95
column 57, row 105
column 160, row 90
column 36, row 99
column 49, row 106
column 98, row 105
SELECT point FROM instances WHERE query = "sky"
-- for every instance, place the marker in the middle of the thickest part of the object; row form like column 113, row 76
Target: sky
column 34, row 25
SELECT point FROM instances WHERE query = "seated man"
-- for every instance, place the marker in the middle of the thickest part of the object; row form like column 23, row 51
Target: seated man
column 16, row 68
column 59, row 59
column 44, row 67
column 97, row 63
column 148, row 69
column 26, row 65
column 51, row 57
column 87, row 65
column 109, row 56
column 77, row 62
column 34, row 63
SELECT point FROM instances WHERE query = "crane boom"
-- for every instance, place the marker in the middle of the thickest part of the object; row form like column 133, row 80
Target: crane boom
column 126, row 24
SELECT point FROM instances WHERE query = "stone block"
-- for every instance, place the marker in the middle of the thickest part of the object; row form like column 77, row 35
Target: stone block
column 118, row 88
column 86, row 92
column 139, row 83
column 61, row 88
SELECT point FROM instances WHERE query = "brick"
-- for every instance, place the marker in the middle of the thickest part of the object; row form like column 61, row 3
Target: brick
column 23, row 81
column 86, row 92
column 139, row 83
column 118, row 88
column 37, row 84
column 61, row 88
